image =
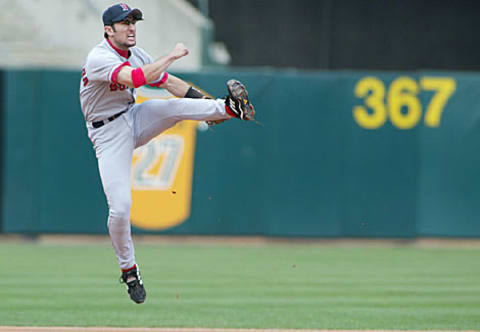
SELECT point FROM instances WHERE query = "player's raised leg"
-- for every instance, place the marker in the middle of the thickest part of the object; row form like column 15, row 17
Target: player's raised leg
column 155, row 116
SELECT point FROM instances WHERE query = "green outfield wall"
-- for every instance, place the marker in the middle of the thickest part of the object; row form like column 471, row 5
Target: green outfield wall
column 357, row 154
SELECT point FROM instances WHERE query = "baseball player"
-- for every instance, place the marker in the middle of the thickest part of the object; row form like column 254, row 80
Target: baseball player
column 116, row 125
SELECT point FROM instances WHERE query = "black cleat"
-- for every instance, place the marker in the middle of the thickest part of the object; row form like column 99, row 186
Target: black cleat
column 134, row 283
column 237, row 101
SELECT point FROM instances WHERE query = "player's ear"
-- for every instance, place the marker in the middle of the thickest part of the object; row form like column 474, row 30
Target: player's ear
column 108, row 30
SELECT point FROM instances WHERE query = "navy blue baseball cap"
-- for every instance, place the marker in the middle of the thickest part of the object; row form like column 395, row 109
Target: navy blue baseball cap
column 119, row 12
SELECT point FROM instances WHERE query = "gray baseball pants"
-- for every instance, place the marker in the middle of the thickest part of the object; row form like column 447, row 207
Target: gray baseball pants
column 114, row 143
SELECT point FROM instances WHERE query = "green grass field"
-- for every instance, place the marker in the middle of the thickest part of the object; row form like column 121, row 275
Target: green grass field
column 242, row 286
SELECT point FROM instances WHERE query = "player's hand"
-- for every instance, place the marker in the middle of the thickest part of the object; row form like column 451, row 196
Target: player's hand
column 179, row 51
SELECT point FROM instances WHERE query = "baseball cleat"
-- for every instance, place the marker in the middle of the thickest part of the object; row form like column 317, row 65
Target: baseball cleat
column 237, row 103
column 134, row 283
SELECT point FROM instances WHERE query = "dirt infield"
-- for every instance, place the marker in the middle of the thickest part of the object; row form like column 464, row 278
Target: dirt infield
column 133, row 329
column 70, row 239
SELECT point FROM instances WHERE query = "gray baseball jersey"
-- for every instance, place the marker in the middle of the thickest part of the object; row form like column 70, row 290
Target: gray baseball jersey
column 100, row 94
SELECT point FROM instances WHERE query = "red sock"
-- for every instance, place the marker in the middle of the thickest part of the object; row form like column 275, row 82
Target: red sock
column 126, row 270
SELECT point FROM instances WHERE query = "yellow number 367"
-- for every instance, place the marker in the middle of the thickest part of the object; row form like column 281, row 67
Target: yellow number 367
column 400, row 103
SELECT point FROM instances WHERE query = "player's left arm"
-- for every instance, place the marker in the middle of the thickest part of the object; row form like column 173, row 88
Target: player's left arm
column 176, row 86
column 179, row 88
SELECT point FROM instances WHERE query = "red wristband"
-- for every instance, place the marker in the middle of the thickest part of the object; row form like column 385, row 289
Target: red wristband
column 163, row 80
column 138, row 77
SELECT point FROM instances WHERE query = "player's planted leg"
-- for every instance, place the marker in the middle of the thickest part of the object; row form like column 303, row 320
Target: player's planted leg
column 134, row 283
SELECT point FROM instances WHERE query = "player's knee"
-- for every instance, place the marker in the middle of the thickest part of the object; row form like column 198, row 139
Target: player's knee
column 120, row 212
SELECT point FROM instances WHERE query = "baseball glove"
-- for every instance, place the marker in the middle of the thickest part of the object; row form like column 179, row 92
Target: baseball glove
column 237, row 103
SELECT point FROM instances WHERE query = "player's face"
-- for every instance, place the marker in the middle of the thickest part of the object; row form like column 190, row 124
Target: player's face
column 124, row 33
